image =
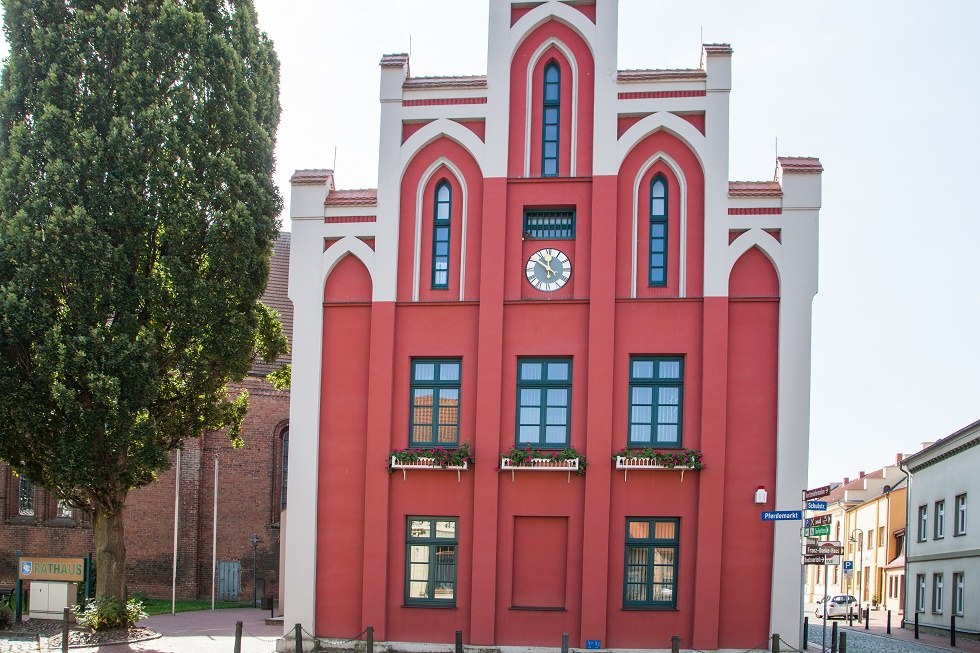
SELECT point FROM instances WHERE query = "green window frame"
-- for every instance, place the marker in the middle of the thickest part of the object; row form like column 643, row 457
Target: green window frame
column 430, row 561
column 435, row 393
column 550, row 119
column 550, row 224
column 658, row 231
column 650, row 562
column 441, row 223
column 544, row 402
column 656, row 401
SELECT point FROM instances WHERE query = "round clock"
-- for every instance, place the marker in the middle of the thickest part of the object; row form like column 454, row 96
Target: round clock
column 548, row 269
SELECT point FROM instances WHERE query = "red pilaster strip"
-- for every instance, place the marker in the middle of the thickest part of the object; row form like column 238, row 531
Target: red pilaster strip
column 487, row 440
column 714, row 407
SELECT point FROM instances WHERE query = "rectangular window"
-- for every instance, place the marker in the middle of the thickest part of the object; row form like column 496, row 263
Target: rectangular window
column 923, row 530
column 555, row 224
column 430, row 561
column 544, row 400
column 960, row 527
column 937, row 593
column 650, row 579
column 881, row 536
column 920, row 593
column 435, row 403
column 958, row 587
column 26, row 493
column 64, row 510
column 656, row 392
column 939, row 527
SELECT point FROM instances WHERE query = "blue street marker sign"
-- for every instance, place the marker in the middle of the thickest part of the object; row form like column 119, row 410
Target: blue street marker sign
column 593, row 644
column 816, row 505
column 782, row 515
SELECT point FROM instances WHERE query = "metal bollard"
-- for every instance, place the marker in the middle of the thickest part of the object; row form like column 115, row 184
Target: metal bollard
column 843, row 642
column 459, row 641
column 238, row 637
column 888, row 623
column 774, row 644
column 299, row 638
column 564, row 643
column 867, row 618
column 64, row 631
column 952, row 630
column 833, row 638
column 675, row 644
column 806, row 633
column 917, row 625
column 370, row 639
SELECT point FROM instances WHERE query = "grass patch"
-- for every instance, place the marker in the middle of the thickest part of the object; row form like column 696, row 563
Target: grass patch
column 162, row 606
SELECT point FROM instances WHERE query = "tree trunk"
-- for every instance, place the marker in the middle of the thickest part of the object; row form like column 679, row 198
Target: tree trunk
column 110, row 552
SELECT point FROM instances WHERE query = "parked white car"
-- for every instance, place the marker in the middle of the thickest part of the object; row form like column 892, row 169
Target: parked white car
column 837, row 606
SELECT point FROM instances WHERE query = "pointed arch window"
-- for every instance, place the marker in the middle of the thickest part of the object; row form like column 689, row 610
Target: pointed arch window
column 440, row 234
column 658, row 231
column 284, row 472
column 551, row 110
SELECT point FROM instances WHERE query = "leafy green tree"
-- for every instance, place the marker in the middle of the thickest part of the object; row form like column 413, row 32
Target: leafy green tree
column 137, row 215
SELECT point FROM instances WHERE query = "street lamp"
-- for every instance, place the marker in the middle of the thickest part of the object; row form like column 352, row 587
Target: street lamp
column 860, row 563
column 255, row 543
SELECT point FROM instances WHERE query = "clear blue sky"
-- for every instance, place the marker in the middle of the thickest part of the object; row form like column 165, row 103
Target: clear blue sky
column 884, row 92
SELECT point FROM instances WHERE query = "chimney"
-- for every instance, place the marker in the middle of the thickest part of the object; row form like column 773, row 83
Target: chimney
column 898, row 458
column 846, row 480
column 860, row 474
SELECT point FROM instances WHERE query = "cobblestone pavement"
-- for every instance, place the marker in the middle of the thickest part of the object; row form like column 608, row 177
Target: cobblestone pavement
column 188, row 632
column 859, row 641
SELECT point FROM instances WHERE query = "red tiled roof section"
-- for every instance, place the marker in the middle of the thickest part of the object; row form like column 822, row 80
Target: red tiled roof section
column 754, row 189
column 465, row 81
column 312, row 176
column 397, row 59
column 356, row 197
column 837, row 494
column 660, row 75
column 718, row 48
column 276, row 298
column 801, row 164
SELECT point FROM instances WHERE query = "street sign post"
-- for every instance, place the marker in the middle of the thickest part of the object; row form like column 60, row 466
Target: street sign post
column 816, row 531
column 816, row 505
column 816, row 492
column 782, row 515
column 819, row 520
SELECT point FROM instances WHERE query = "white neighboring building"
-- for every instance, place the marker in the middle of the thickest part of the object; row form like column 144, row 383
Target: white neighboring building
column 943, row 547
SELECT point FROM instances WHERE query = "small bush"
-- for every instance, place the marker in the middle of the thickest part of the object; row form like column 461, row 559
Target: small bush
column 6, row 615
column 107, row 613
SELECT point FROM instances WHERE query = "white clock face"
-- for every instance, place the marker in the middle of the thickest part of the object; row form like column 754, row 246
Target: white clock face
column 548, row 269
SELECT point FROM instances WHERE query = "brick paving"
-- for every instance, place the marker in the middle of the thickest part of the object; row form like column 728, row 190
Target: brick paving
column 876, row 639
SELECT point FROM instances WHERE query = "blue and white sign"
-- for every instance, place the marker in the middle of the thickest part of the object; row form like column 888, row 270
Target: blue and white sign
column 816, row 505
column 26, row 568
column 782, row 515
column 593, row 643
column 848, row 565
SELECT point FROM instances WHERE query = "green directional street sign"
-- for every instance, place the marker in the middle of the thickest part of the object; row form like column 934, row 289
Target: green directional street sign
column 816, row 531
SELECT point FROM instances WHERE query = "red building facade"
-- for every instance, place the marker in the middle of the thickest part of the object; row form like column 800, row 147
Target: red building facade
column 554, row 260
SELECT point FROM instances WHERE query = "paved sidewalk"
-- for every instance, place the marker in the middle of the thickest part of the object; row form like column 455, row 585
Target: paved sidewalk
column 878, row 627
column 203, row 631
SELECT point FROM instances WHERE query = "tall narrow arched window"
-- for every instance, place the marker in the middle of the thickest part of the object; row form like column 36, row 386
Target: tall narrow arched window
column 284, row 473
column 440, row 235
column 658, row 231
column 551, row 110
column 25, row 496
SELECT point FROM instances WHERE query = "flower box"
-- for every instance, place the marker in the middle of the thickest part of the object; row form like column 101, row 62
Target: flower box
column 650, row 460
column 540, row 465
column 427, row 463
